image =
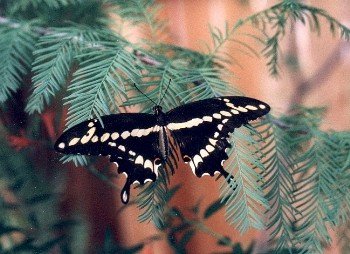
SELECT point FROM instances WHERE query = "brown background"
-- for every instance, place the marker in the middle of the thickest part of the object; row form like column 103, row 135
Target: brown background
column 324, row 61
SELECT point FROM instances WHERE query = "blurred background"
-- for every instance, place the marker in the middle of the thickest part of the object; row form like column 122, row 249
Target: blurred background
column 314, row 71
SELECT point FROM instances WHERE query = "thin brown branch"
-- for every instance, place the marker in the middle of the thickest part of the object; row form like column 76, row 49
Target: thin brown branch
column 306, row 85
column 146, row 59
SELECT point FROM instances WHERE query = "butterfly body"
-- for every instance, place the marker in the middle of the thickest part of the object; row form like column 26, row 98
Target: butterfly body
column 140, row 143
column 163, row 140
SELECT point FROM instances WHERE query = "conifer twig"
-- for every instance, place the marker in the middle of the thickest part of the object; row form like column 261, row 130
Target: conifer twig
column 13, row 24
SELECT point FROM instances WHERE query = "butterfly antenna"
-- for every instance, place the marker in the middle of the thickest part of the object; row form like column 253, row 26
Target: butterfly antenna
column 138, row 89
column 166, row 89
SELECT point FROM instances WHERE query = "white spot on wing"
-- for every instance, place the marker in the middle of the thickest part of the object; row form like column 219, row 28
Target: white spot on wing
column 225, row 121
column 187, row 124
column 212, row 141
column 132, row 153
column 207, row 118
column 147, row 180
column 148, row 164
column 235, row 112
column 193, row 167
column 156, row 169
column 112, row 144
column 197, row 159
column 262, row 106
column 216, row 172
column 205, row 174
column 156, row 128
column 125, row 134
column 230, row 105
column 91, row 124
column 220, row 127
column 139, row 160
column 225, row 113
column 126, row 175
column 125, row 196
column 203, row 153
column 73, row 141
column 61, row 145
column 134, row 132
column 250, row 107
column 239, row 108
column 94, row 139
column 226, row 100
column 209, row 148
column 216, row 134
column 105, row 137
column 86, row 138
column 242, row 109
column 217, row 116
column 145, row 132
column 121, row 148
column 115, row 135
column 136, row 182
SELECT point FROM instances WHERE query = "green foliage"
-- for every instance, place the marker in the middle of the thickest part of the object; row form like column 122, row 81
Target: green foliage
column 208, row 83
column 17, row 44
column 153, row 199
column 141, row 12
column 244, row 198
column 220, row 38
column 156, row 79
column 318, row 196
column 305, row 171
column 273, row 23
column 290, row 177
column 24, row 4
column 279, row 185
column 28, row 220
column 54, row 59
column 107, row 67
column 343, row 159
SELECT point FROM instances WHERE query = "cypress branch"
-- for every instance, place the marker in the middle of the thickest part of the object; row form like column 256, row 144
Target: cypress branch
column 244, row 199
column 107, row 68
column 53, row 61
column 278, row 183
column 17, row 45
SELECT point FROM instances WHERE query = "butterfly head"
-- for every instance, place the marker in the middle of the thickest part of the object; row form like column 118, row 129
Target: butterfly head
column 157, row 110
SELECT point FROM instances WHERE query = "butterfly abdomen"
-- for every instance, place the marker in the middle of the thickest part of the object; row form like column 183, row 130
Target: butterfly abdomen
column 163, row 144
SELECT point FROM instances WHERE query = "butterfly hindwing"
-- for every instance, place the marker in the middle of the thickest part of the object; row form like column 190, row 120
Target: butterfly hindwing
column 130, row 140
column 201, row 129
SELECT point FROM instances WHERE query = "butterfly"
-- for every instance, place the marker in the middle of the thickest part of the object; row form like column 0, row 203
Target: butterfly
column 139, row 143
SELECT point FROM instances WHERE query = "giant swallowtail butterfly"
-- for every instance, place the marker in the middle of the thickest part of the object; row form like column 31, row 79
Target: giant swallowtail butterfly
column 139, row 143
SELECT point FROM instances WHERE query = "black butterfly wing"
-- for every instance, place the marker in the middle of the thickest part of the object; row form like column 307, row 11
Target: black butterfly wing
column 201, row 129
column 131, row 141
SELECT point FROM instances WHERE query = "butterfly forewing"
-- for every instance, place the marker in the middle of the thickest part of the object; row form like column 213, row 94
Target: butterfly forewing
column 201, row 129
column 130, row 140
